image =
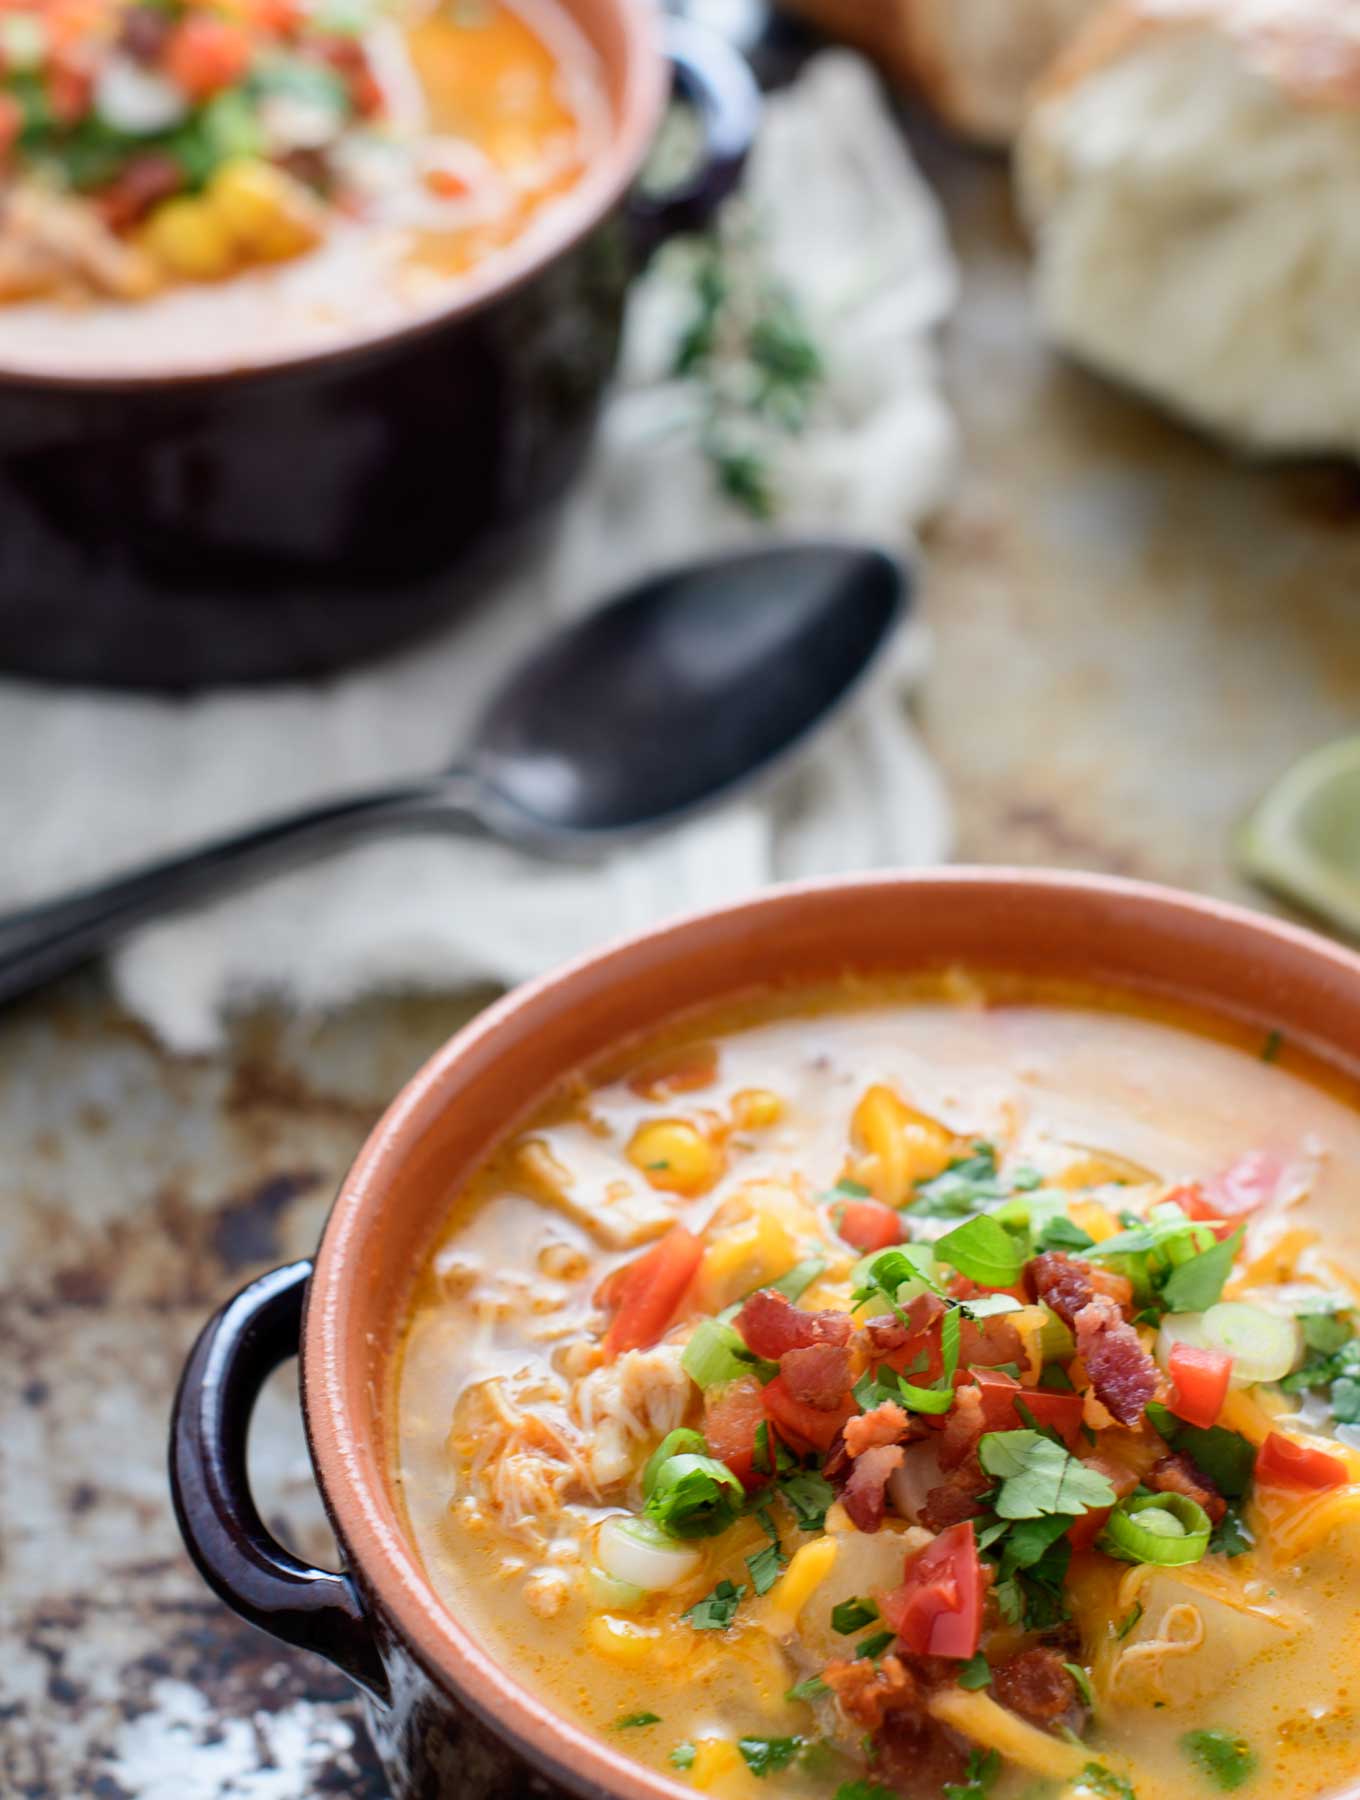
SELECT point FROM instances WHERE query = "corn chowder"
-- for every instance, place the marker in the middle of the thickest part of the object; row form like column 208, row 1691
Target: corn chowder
column 948, row 1391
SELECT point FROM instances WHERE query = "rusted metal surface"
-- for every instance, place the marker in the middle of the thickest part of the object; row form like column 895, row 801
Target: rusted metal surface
column 1134, row 636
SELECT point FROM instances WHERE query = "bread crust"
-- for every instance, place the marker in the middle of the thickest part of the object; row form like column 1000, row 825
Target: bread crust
column 974, row 61
column 1310, row 48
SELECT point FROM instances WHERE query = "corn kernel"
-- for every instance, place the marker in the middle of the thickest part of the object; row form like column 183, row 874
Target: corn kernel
column 719, row 1767
column 267, row 214
column 675, row 1156
column 755, row 1109
column 746, row 1256
column 186, row 237
column 906, row 1145
column 623, row 1641
column 1095, row 1220
column 790, row 1594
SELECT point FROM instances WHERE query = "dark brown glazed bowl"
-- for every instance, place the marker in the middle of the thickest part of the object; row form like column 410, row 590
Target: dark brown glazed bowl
column 182, row 528
column 450, row 1721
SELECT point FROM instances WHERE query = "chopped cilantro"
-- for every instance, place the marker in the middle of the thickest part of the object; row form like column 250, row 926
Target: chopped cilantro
column 811, row 1689
column 874, row 1646
column 766, row 1756
column 951, row 1336
column 1034, row 1560
column 808, row 1494
column 1055, row 1379
column 852, row 1190
column 864, row 1790
column 983, row 1251
column 1105, row 1782
column 682, row 1757
column 1195, row 1285
column 1227, row 1760
column 768, row 1563
column 1059, row 1233
column 853, row 1615
column 982, row 1771
column 716, row 1611
column 966, row 1186
column 976, row 1672
column 1272, row 1047
column 1083, row 1681
column 1127, row 1623
column 1231, row 1536
column 1039, row 1478
column 632, row 1721
column 1224, row 1456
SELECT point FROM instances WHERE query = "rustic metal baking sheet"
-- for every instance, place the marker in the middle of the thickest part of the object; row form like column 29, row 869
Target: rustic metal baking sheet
column 1134, row 635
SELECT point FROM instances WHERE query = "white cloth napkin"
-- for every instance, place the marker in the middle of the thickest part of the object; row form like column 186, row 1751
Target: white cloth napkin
column 96, row 782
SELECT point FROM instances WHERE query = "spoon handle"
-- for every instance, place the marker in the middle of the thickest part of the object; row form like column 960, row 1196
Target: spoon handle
column 43, row 941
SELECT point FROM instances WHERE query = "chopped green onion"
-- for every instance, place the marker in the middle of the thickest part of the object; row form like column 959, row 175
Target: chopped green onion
column 1168, row 1529
column 608, row 1594
column 873, row 1647
column 695, row 1496
column 635, row 1721
column 675, row 1443
column 811, row 1689
column 717, row 1354
column 638, row 1553
column 799, row 1278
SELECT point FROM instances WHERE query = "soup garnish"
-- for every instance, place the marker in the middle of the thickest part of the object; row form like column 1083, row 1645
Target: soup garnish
column 145, row 143
column 819, row 1408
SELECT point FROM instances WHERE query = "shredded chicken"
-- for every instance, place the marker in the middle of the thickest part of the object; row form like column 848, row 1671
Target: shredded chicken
column 626, row 1404
column 531, row 1444
column 50, row 245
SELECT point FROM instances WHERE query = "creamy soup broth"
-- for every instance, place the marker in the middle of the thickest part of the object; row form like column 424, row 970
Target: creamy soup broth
column 486, row 113
column 495, row 1434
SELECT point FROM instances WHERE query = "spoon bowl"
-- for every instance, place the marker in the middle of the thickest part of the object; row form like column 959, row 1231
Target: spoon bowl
column 679, row 692
column 675, row 696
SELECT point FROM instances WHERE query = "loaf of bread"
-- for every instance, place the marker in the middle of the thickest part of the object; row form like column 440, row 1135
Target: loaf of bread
column 973, row 60
column 1191, row 171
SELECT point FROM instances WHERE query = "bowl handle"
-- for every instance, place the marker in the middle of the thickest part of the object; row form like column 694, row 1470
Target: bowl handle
column 265, row 1584
column 716, row 81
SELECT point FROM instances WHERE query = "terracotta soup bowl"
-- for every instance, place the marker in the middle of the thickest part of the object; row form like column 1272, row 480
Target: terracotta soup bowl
column 448, row 1717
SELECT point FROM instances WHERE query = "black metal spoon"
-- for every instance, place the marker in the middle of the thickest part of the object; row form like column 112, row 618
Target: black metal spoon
column 668, row 699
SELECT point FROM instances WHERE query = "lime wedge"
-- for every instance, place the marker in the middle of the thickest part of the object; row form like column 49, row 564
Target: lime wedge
column 1303, row 840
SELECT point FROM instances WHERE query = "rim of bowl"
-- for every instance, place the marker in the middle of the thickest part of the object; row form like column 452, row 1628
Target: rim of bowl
column 642, row 90
column 375, row 1546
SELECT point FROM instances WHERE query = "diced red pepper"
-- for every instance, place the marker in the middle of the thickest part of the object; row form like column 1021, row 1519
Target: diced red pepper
column 1050, row 1411
column 732, row 1417
column 1201, row 1379
column 11, row 123
column 868, row 1224
column 70, row 92
column 803, row 1428
column 938, row 1609
column 1285, row 1463
column 205, row 55
column 646, row 1293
